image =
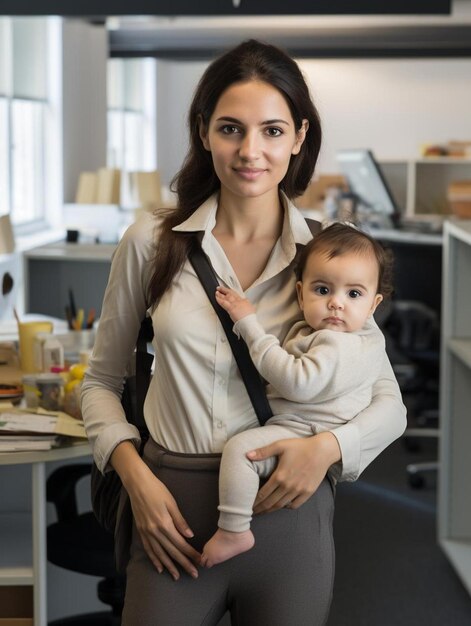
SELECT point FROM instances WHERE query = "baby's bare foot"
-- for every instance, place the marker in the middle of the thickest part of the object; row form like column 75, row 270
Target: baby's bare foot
column 224, row 544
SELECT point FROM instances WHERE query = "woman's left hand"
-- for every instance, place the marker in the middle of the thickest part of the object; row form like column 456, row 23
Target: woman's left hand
column 302, row 466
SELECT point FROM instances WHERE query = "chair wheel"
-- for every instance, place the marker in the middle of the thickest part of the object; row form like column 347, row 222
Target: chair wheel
column 416, row 481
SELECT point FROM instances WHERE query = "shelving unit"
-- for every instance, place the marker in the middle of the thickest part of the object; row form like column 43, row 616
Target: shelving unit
column 454, row 502
column 23, row 553
column 420, row 185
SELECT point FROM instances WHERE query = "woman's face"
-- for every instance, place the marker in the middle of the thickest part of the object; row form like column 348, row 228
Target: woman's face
column 251, row 137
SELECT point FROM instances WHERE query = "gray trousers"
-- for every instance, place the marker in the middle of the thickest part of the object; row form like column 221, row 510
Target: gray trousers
column 239, row 477
column 285, row 580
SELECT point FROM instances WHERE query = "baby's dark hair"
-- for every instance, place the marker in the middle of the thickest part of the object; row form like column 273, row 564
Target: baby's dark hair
column 339, row 239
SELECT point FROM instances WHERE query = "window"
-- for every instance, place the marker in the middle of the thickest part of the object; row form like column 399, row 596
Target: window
column 27, row 160
column 4, row 158
column 23, row 105
column 131, row 114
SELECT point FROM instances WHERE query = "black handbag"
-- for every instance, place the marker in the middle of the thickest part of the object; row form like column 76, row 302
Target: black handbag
column 106, row 488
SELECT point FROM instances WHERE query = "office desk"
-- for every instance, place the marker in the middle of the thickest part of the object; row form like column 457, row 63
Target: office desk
column 51, row 270
column 23, row 554
column 407, row 237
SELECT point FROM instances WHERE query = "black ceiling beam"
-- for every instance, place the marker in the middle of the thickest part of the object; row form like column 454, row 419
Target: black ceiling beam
column 89, row 8
column 361, row 42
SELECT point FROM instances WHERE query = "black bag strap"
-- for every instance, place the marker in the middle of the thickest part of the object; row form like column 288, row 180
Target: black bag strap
column 250, row 376
column 252, row 379
column 315, row 227
column 143, row 372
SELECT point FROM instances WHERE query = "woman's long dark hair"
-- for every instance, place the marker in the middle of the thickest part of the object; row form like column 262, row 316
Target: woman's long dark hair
column 197, row 180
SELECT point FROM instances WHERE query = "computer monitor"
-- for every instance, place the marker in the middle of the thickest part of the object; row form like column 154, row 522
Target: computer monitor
column 369, row 188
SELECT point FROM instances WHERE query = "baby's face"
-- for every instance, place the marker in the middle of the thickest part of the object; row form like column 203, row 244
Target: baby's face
column 339, row 293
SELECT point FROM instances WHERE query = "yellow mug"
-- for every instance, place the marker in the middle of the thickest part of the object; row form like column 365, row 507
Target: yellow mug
column 27, row 331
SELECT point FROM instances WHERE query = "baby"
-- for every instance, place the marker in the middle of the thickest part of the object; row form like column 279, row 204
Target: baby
column 319, row 379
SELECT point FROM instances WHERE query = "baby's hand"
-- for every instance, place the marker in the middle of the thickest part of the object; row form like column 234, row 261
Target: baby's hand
column 235, row 305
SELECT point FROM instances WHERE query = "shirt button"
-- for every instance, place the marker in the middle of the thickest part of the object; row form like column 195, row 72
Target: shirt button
column 223, row 339
column 219, row 424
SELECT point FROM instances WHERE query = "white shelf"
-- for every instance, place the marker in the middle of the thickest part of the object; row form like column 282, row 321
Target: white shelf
column 454, row 503
column 443, row 160
column 459, row 230
column 420, row 185
column 16, row 549
column 432, row 160
column 461, row 348
column 459, row 552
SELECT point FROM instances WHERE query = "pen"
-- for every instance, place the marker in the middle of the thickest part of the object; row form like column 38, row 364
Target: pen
column 73, row 310
column 69, row 318
column 90, row 318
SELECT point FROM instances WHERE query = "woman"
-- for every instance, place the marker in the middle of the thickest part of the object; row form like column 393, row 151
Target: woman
column 254, row 140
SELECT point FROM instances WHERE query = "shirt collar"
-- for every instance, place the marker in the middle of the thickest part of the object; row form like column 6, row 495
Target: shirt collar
column 203, row 219
column 295, row 231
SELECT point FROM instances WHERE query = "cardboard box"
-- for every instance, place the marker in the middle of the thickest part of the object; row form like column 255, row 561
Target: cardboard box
column 314, row 196
column 108, row 186
column 16, row 606
column 147, row 188
column 87, row 188
column 459, row 198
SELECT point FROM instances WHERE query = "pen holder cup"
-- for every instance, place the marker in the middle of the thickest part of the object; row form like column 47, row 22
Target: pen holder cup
column 76, row 342
column 27, row 331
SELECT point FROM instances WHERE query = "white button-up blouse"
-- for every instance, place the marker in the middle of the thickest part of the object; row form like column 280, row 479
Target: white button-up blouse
column 196, row 399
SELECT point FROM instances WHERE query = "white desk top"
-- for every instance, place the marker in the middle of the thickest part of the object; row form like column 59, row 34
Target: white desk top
column 72, row 252
column 407, row 236
column 413, row 236
column 76, row 450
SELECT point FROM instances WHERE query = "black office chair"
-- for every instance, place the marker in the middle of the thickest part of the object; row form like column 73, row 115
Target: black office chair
column 77, row 542
column 412, row 331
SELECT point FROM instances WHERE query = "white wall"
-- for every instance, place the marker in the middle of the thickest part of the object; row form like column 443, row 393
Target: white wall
column 176, row 82
column 84, row 57
column 391, row 106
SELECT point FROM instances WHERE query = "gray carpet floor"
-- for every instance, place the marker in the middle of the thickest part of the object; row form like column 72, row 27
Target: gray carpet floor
column 389, row 569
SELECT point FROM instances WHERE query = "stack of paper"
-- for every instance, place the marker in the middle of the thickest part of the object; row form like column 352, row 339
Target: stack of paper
column 37, row 429
column 21, row 443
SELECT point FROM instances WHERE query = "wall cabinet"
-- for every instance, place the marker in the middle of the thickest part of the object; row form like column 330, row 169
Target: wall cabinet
column 420, row 186
column 454, row 502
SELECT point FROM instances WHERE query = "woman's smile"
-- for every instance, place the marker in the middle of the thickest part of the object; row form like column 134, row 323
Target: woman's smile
column 249, row 173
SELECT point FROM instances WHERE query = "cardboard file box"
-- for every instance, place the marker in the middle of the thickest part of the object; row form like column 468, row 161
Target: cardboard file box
column 16, row 605
column 459, row 198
